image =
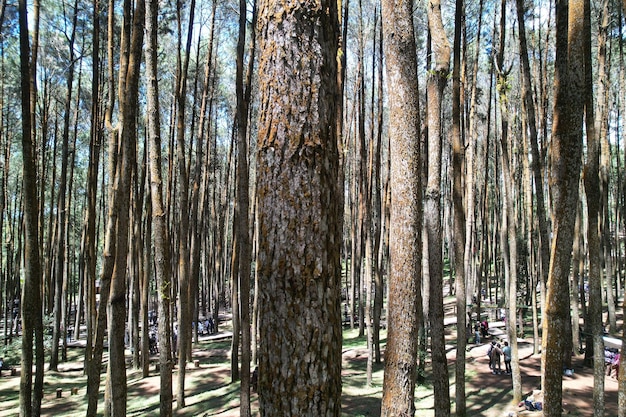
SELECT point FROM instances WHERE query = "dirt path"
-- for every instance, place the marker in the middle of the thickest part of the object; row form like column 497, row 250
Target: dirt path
column 490, row 395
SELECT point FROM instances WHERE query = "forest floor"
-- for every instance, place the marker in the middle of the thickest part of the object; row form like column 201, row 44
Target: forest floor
column 210, row 393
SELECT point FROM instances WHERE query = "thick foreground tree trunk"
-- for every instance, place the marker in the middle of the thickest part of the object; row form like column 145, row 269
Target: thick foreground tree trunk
column 299, row 268
column 565, row 154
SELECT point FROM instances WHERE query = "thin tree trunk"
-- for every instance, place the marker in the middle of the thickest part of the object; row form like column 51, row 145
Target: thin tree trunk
column 184, row 302
column 94, row 362
column 621, row 381
column 32, row 328
column 436, row 83
column 378, row 204
column 591, row 178
column 509, row 225
column 242, row 206
column 601, row 129
column 132, row 41
column 62, row 208
column 146, row 275
column 458, row 153
column 162, row 263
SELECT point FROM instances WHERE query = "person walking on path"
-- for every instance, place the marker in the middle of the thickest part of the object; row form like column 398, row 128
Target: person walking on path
column 506, row 351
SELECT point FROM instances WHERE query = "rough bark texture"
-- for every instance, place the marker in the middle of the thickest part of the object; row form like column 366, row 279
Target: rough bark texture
column 458, row 159
column 299, row 267
column 242, row 206
column 436, row 83
column 95, row 142
column 405, row 276
column 93, row 363
column 162, row 263
column 509, row 217
column 122, row 183
column 30, row 402
column 528, row 105
column 593, row 324
column 184, row 283
column 565, row 154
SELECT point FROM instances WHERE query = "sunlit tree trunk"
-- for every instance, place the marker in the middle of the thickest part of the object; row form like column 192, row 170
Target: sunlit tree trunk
column 126, row 148
column 162, row 262
column 621, row 382
column 436, row 83
column 593, row 193
column 509, row 226
column 62, row 211
column 94, row 361
column 298, row 210
column 184, row 288
column 378, row 203
column 405, row 276
column 565, row 155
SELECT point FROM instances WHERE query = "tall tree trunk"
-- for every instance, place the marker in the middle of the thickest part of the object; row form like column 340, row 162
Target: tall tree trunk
column 62, row 206
column 184, row 287
column 601, row 129
column 147, row 332
column 621, row 381
column 242, row 205
column 405, row 277
column 472, row 256
column 32, row 328
column 94, row 361
column 437, row 80
column 565, row 154
column 509, row 225
column 378, row 203
column 131, row 45
column 458, row 153
column 299, row 268
column 528, row 104
column 594, row 328
column 162, row 262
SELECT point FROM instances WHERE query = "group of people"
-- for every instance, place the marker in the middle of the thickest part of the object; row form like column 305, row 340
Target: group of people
column 481, row 329
column 496, row 352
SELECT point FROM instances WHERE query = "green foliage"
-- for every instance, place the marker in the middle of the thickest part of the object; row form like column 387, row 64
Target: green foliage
column 12, row 352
